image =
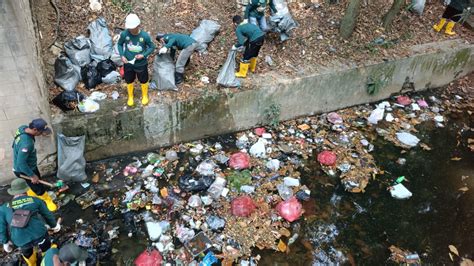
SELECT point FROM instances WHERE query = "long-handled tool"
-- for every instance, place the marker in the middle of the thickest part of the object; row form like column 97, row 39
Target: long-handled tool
column 59, row 184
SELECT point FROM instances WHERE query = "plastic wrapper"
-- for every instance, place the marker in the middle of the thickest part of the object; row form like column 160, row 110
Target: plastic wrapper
column 239, row 160
column 290, row 209
column 190, row 183
column 242, row 206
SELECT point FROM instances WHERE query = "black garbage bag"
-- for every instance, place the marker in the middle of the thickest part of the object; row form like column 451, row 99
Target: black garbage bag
column 226, row 76
column 65, row 75
column 78, row 50
column 105, row 67
column 100, row 39
column 68, row 100
column 90, row 76
column 191, row 183
column 163, row 72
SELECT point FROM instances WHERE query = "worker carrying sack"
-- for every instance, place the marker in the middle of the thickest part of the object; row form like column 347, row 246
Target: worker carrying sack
column 71, row 161
column 226, row 76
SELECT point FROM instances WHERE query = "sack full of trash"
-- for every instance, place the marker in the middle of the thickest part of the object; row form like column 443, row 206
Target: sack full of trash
column 149, row 257
column 163, row 72
column 226, row 75
column 65, row 75
column 115, row 57
column 190, row 183
column 417, row 6
column 282, row 22
column 90, row 76
column 290, row 209
column 205, row 33
column 106, row 66
column 242, row 206
column 239, row 160
column 68, row 100
column 100, row 39
column 71, row 161
column 112, row 78
column 78, row 50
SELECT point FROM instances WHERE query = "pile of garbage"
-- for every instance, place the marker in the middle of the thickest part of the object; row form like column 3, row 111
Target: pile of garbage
column 220, row 199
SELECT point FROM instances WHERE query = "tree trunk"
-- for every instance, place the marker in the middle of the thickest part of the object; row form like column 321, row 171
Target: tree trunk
column 392, row 13
column 349, row 20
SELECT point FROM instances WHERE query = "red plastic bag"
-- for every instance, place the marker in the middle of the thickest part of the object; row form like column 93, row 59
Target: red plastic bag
column 239, row 160
column 403, row 100
column 327, row 158
column 122, row 71
column 242, row 206
column 149, row 258
column 259, row 131
column 290, row 209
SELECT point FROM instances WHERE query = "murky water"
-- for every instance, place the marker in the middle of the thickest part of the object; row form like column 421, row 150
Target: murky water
column 345, row 228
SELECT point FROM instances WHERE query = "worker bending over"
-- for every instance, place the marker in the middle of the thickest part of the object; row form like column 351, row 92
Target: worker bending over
column 69, row 254
column 255, row 12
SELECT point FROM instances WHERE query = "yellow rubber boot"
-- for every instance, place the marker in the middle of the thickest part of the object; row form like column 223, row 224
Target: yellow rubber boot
column 253, row 64
column 144, row 93
column 440, row 25
column 31, row 261
column 449, row 28
column 46, row 198
column 244, row 68
column 130, row 94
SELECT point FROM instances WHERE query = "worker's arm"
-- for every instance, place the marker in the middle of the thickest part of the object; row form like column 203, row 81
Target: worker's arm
column 46, row 214
column 3, row 227
column 22, row 159
column 170, row 42
column 273, row 7
column 120, row 43
column 240, row 37
column 56, row 261
column 150, row 46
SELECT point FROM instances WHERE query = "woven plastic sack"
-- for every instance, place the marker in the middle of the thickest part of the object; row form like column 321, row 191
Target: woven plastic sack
column 327, row 158
column 65, row 74
column 163, row 72
column 290, row 209
column 239, row 160
column 149, row 258
column 417, row 6
column 226, row 76
column 242, row 206
column 205, row 33
column 100, row 39
column 78, row 50
column 71, row 161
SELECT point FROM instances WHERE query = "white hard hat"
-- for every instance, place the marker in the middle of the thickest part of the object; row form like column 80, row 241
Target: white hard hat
column 132, row 21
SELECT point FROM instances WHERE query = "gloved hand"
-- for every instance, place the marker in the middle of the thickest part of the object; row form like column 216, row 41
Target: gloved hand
column 245, row 21
column 8, row 247
column 260, row 9
column 163, row 50
column 234, row 48
column 56, row 228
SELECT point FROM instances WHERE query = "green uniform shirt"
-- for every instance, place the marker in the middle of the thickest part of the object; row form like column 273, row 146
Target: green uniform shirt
column 177, row 41
column 460, row 4
column 24, row 152
column 36, row 227
column 247, row 31
column 48, row 257
column 130, row 45
column 252, row 9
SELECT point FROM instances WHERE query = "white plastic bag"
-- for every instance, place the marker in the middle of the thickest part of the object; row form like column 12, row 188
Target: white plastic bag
column 376, row 115
column 258, row 149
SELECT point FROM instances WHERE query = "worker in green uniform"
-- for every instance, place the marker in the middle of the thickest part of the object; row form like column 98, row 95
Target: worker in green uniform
column 69, row 254
column 23, row 223
column 176, row 41
column 25, row 159
column 252, row 38
column 134, row 46
column 255, row 12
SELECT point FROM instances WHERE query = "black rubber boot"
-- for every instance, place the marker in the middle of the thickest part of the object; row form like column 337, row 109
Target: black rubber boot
column 179, row 78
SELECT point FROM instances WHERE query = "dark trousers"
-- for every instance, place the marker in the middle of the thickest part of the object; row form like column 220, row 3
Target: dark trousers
column 452, row 14
column 43, row 243
column 39, row 188
column 253, row 48
column 133, row 72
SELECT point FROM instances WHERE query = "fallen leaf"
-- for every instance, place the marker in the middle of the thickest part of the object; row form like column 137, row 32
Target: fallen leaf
column 451, row 256
column 453, row 249
column 464, row 189
column 304, row 127
column 425, row 147
column 464, row 177
column 282, row 246
column 456, row 159
column 95, row 178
